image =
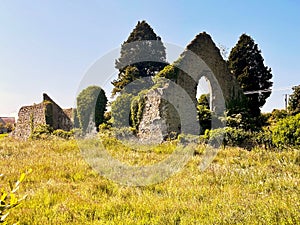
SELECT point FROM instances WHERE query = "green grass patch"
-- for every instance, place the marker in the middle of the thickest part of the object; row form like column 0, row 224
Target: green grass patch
column 239, row 187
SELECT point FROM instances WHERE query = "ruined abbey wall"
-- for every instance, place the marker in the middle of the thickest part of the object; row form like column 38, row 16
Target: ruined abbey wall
column 214, row 68
column 56, row 116
column 159, row 118
column 46, row 112
column 28, row 118
column 163, row 114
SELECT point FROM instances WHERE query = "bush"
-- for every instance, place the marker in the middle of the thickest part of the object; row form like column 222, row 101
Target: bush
column 45, row 131
column 124, row 133
column 237, row 137
column 169, row 72
column 41, row 131
column 64, row 134
column 276, row 115
column 286, row 133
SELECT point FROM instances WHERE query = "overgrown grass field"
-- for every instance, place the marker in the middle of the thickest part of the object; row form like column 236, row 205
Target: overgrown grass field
column 239, row 187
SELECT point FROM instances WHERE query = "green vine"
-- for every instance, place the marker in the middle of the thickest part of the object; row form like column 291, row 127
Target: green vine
column 136, row 109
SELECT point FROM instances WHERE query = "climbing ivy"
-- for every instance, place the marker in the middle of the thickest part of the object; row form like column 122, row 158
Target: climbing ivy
column 169, row 72
column 136, row 109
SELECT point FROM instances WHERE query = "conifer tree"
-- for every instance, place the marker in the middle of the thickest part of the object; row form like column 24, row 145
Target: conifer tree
column 142, row 55
column 247, row 65
column 294, row 101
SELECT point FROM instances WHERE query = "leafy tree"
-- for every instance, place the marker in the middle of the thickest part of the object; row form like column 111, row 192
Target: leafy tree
column 204, row 113
column 142, row 44
column 276, row 115
column 120, row 110
column 247, row 65
column 91, row 105
column 294, row 101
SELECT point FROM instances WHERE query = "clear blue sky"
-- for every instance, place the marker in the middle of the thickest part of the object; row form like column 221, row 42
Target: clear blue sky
column 47, row 46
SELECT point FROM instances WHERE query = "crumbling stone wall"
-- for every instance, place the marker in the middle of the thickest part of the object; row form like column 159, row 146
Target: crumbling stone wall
column 159, row 117
column 56, row 116
column 46, row 112
column 214, row 68
column 201, row 58
column 167, row 112
column 28, row 118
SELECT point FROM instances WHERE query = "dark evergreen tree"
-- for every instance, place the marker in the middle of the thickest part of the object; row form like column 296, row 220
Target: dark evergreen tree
column 91, row 105
column 247, row 65
column 142, row 55
column 294, row 101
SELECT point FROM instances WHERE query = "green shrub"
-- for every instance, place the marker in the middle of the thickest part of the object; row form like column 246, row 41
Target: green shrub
column 41, row 131
column 276, row 115
column 286, row 133
column 169, row 72
column 104, row 126
column 237, row 137
column 64, row 134
column 45, row 131
column 126, row 133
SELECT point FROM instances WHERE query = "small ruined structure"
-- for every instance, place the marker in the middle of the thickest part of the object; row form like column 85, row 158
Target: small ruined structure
column 46, row 112
column 167, row 109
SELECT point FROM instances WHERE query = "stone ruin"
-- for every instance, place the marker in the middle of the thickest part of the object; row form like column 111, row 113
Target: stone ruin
column 46, row 112
column 165, row 106
column 160, row 118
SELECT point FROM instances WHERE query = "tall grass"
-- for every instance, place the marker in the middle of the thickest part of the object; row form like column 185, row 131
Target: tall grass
column 239, row 187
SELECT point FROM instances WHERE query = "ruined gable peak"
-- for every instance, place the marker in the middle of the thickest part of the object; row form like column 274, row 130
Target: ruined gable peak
column 47, row 98
column 203, row 45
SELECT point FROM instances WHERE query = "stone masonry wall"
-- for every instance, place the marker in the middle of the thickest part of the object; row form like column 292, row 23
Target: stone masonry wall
column 47, row 112
column 162, row 116
column 28, row 118
column 167, row 112
column 58, row 119
column 214, row 69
